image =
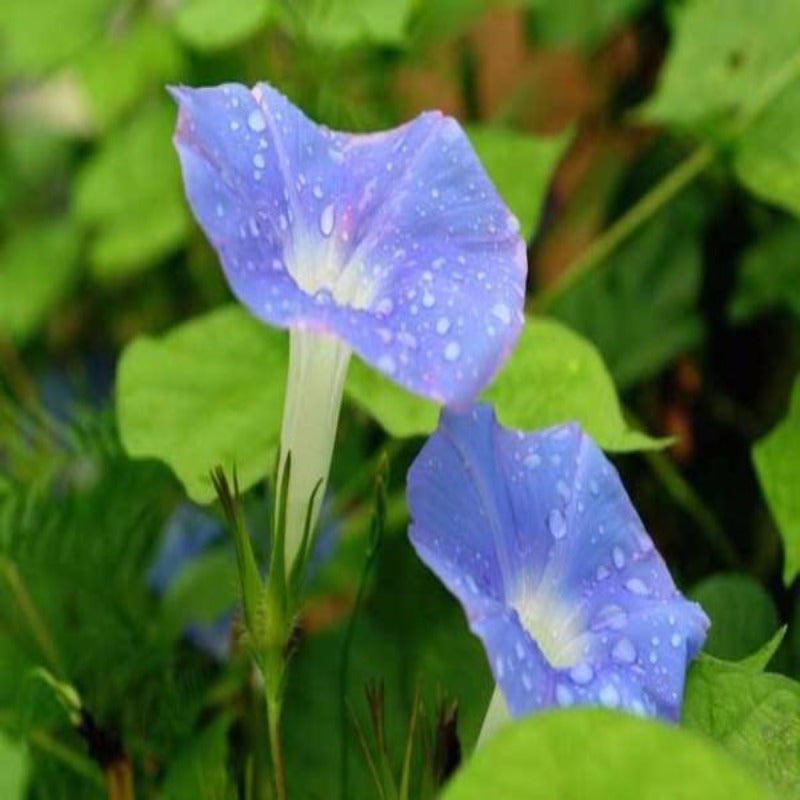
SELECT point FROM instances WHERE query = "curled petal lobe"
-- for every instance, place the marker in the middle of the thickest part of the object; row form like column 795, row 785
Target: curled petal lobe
column 396, row 242
column 538, row 540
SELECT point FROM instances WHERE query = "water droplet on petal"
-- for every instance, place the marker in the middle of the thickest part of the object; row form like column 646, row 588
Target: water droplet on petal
column 619, row 557
column 384, row 306
column 282, row 222
column 387, row 365
column 428, row 300
column 564, row 696
column 582, row 673
column 256, row 121
column 602, row 572
column 637, row 586
column 533, row 460
column 502, row 312
column 519, row 649
column 317, row 190
column 624, row 651
column 675, row 640
column 556, row 524
column 258, row 161
column 442, row 325
column 563, row 490
column 326, row 220
column 452, row 351
column 527, row 682
column 499, row 668
column 608, row 696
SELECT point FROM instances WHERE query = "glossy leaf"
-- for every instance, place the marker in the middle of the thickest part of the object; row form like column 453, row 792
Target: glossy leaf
column 755, row 716
column 208, row 393
column 608, row 755
column 743, row 615
column 777, row 462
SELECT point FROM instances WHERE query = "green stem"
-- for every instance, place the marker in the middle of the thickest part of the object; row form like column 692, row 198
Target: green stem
column 627, row 225
column 276, row 746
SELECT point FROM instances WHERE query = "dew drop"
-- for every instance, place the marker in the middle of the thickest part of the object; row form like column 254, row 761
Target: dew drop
column 502, row 312
column 582, row 673
column 282, row 222
column 387, row 365
column 624, row 652
column 637, row 586
column 527, row 682
column 220, row 210
column 556, row 524
column 563, row 491
column 256, row 121
column 428, row 300
column 317, row 190
column 384, row 306
column 675, row 640
column 602, row 572
column 442, row 325
column 608, row 696
column 258, row 161
column 519, row 649
column 234, row 125
column 593, row 487
column 533, row 460
column 610, row 616
column 619, row 557
column 499, row 668
column 452, row 351
column 564, row 696
column 326, row 220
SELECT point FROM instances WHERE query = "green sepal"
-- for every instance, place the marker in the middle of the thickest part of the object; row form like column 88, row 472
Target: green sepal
column 249, row 576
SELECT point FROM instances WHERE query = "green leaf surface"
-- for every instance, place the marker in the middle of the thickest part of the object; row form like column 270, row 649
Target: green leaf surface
column 767, row 154
column 593, row 753
column 207, row 393
column 742, row 613
column 755, row 716
column 554, row 376
column 199, row 772
column 521, row 167
column 121, row 69
column 777, row 462
column 137, row 212
column 36, row 35
column 400, row 413
column 38, row 266
column 641, row 308
column 217, row 24
column 769, row 276
column 720, row 62
column 400, row 641
column 342, row 23
column 13, row 769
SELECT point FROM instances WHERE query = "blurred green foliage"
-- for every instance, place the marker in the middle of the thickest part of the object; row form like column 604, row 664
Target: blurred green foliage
column 651, row 150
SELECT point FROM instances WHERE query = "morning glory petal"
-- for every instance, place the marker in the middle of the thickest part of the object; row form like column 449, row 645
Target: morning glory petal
column 396, row 242
column 584, row 600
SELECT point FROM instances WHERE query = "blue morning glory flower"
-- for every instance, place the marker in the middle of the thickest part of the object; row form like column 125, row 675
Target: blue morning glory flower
column 536, row 537
column 394, row 245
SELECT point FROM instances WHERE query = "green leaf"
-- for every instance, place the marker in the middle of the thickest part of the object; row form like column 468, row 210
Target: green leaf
column 342, row 23
column 399, row 640
column 769, row 274
column 556, row 376
column 758, row 660
column 119, row 70
column 200, row 770
column 767, row 155
column 742, row 613
column 731, row 81
column 218, row 24
column 755, row 716
column 584, row 23
column 720, row 62
column 33, row 42
column 777, row 462
column 593, row 753
column 641, row 309
column 208, row 393
column 130, row 194
column 202, row 592
column 39, row 266
column 521, row 167
column 398, row 412
column 13, row 769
